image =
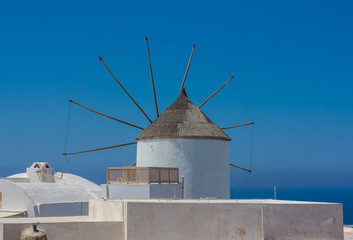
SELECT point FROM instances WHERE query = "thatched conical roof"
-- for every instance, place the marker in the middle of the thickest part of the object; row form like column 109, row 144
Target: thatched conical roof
column 183, row 119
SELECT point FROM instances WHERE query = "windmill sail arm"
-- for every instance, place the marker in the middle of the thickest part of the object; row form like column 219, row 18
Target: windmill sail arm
column 98, row 149
column 219, row 89
column 240, row 168
column 236, row 126
column 101, row 114
column 187, row 68
column 122, row 87
column 154, row 90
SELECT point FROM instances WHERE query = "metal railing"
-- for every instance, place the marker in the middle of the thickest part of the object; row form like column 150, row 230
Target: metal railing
column 142, row 175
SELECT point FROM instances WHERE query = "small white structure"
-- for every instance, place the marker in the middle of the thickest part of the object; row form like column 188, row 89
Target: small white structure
column 42, row 192
column 185, row 138
column 142, row 182
column 141, row 190
column 40, row 172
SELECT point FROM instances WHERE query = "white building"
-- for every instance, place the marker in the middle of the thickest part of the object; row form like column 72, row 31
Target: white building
column 142, row 182
column 141, row 219
column 41, row 192
column 184, row 137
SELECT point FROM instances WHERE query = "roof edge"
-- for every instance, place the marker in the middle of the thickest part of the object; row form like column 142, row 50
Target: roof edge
column 186, row 137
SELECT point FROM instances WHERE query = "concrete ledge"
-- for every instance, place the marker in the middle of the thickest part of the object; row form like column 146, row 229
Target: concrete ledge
column 58, row 230
column 223, row 219
column 141, row 190
column 303, row 221
column 348, row 232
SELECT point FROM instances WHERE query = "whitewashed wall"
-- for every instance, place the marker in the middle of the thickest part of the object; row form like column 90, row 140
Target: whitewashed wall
column 44, row 199
column 13, row 197
column 115, row 190
column 67, row 230
column 221, row 219
column 204, row 163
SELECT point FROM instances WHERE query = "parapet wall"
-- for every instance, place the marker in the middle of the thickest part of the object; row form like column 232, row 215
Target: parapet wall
column 116, row 190
column 142, row 219
column 63, row 228
column 222, row 219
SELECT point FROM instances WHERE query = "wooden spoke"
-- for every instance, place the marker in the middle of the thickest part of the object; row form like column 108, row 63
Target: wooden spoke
column 216, row 91
column 125, row 90
column 115, row 119
column 154, row 90
column 187, row 69
column 98, row 149
column 242, row 125
column 240, row 168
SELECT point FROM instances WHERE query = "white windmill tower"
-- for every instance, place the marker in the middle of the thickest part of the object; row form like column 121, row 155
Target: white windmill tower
column 182, row 138
column 185, row 138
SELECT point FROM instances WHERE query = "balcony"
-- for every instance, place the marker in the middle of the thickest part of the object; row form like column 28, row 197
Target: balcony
column 147, row 175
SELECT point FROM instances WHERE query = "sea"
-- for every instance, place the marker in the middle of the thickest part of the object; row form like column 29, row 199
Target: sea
column 343, row 195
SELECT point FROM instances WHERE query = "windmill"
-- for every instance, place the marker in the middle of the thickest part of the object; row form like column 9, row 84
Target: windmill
column 182, row 137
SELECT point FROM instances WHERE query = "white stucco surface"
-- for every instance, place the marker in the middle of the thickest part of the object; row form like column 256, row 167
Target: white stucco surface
column 17, row 180
column 48, row 199
column 41, row 193
column 348, row 233
column 141, row 219
column 9, row 214
column 222, row 219
column 166, row 190
column 40, row 172
column 320, row 221
column 61, row 209
column 193, row 221
column 106, row 210
column 18, row 175
column 66, row 178
column 14, row 197
column 112, row 191
column 204, row 163
column 64, row 228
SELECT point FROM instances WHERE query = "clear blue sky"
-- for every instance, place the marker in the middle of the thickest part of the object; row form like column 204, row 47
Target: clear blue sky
column 293, row 61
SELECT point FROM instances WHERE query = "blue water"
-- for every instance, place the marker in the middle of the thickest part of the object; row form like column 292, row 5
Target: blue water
column 342, row 195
